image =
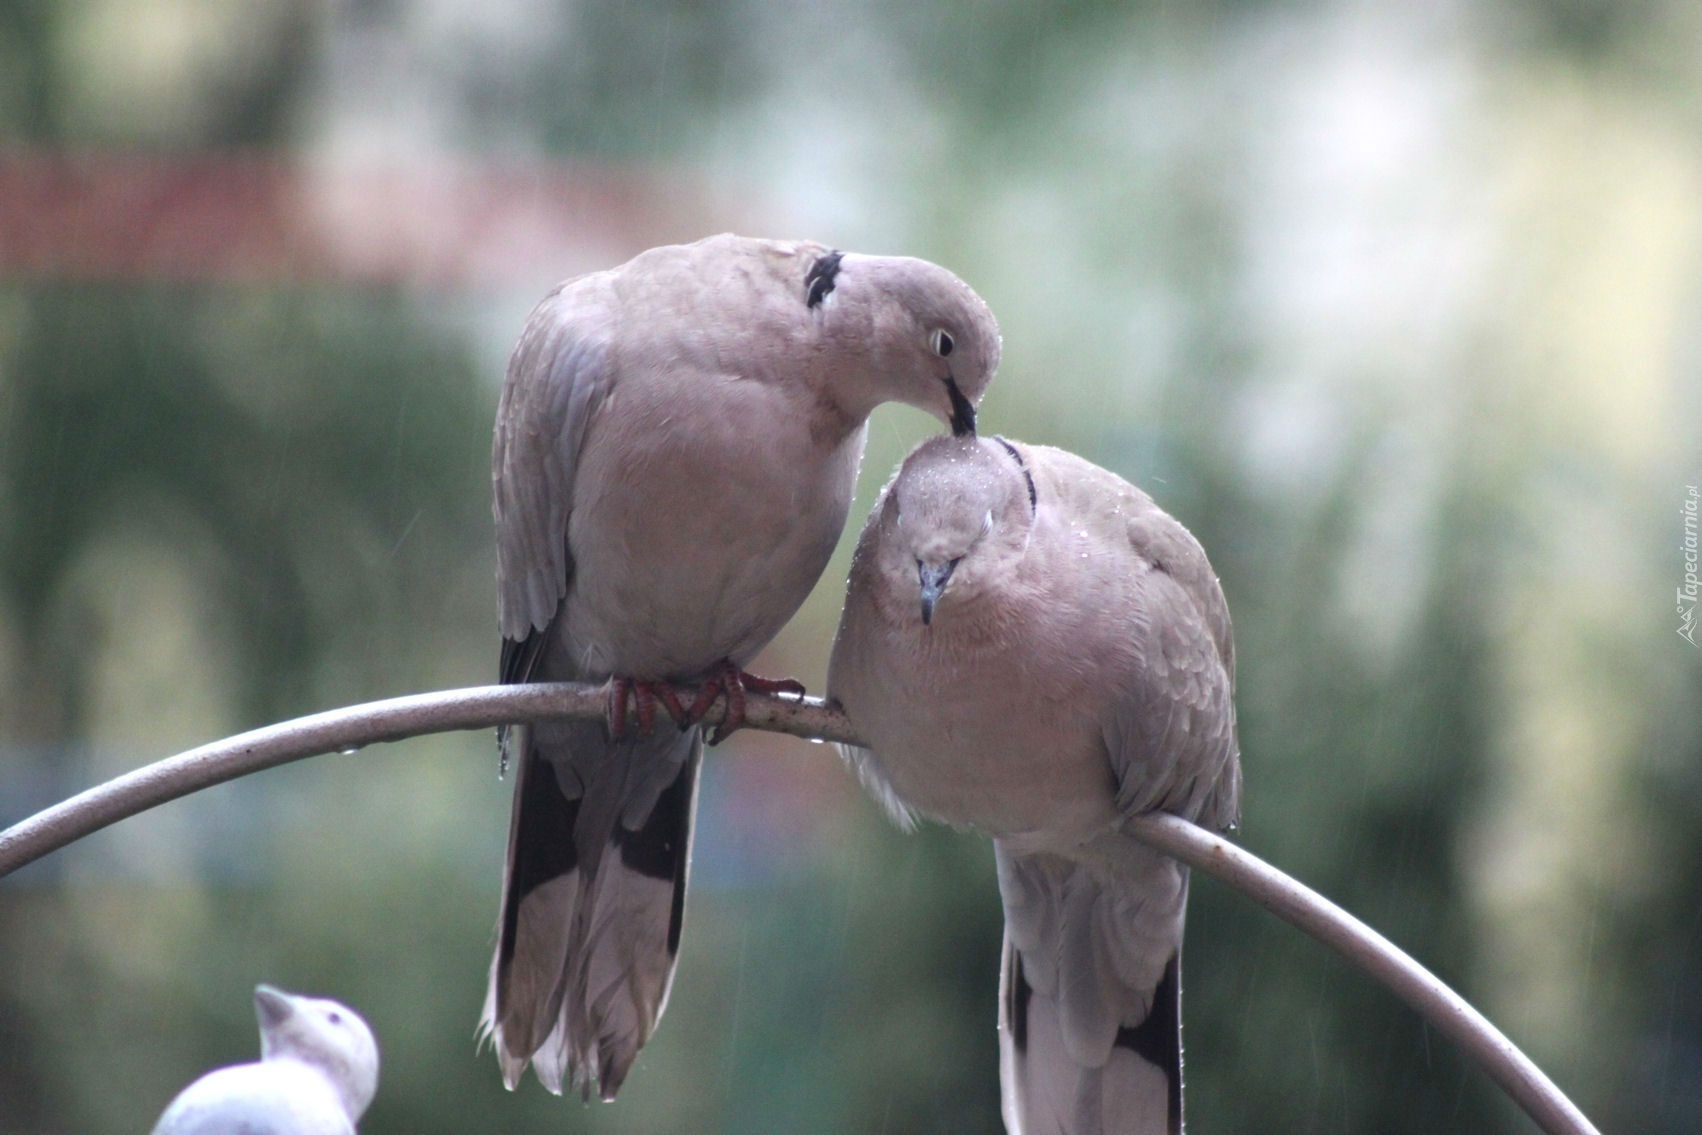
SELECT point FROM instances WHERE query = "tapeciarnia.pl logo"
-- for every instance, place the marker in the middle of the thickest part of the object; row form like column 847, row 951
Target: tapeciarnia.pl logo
column 1691, row 588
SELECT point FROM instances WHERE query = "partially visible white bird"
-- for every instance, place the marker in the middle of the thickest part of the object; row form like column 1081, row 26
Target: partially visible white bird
column 676, row 449
column 1033, row 649
column 317, row 1072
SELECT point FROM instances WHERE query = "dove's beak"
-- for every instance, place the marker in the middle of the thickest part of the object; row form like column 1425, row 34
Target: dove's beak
column 933, row 579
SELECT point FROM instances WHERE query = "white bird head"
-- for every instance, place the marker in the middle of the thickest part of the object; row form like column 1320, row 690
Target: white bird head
column 324, row 1034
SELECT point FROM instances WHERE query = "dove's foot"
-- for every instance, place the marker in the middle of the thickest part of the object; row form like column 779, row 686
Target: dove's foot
column 726, row 680
column 643, row 696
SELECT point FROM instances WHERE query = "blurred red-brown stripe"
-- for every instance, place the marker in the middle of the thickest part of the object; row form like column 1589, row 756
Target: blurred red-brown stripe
column 256, row 218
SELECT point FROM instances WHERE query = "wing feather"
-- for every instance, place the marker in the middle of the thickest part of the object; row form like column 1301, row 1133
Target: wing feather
column 560, row 373
column 1171, row 736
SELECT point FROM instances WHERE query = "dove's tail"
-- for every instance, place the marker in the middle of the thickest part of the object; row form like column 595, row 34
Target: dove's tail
column 593, row 898
column 1090, row 1039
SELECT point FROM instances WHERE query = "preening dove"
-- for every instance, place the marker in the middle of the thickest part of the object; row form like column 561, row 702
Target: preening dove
column 318, row 1070
column 676, row 449
column 1033, row 649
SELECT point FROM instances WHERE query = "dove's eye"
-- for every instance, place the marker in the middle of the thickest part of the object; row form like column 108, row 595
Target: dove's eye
column 941, row 342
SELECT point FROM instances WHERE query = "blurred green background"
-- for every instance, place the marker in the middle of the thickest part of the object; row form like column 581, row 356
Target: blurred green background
column 1398, row 306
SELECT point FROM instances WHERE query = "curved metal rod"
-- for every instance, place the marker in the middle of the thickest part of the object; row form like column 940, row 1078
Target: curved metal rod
column 1315, row 915
column 484, row 707
column 355, row 727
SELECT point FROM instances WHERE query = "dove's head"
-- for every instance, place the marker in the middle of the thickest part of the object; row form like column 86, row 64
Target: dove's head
column 330, row 1037
column 921, row 335
column 956, row 522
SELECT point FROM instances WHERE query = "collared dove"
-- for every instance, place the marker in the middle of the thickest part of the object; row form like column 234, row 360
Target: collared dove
column 1032, row 648
column 318, row 1070
column 676, row 449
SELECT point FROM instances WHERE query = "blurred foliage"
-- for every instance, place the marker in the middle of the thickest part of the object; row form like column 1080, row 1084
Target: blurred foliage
column 1394, row 305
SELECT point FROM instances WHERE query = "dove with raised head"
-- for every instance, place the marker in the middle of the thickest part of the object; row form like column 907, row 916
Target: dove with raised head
column 1032, row 648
